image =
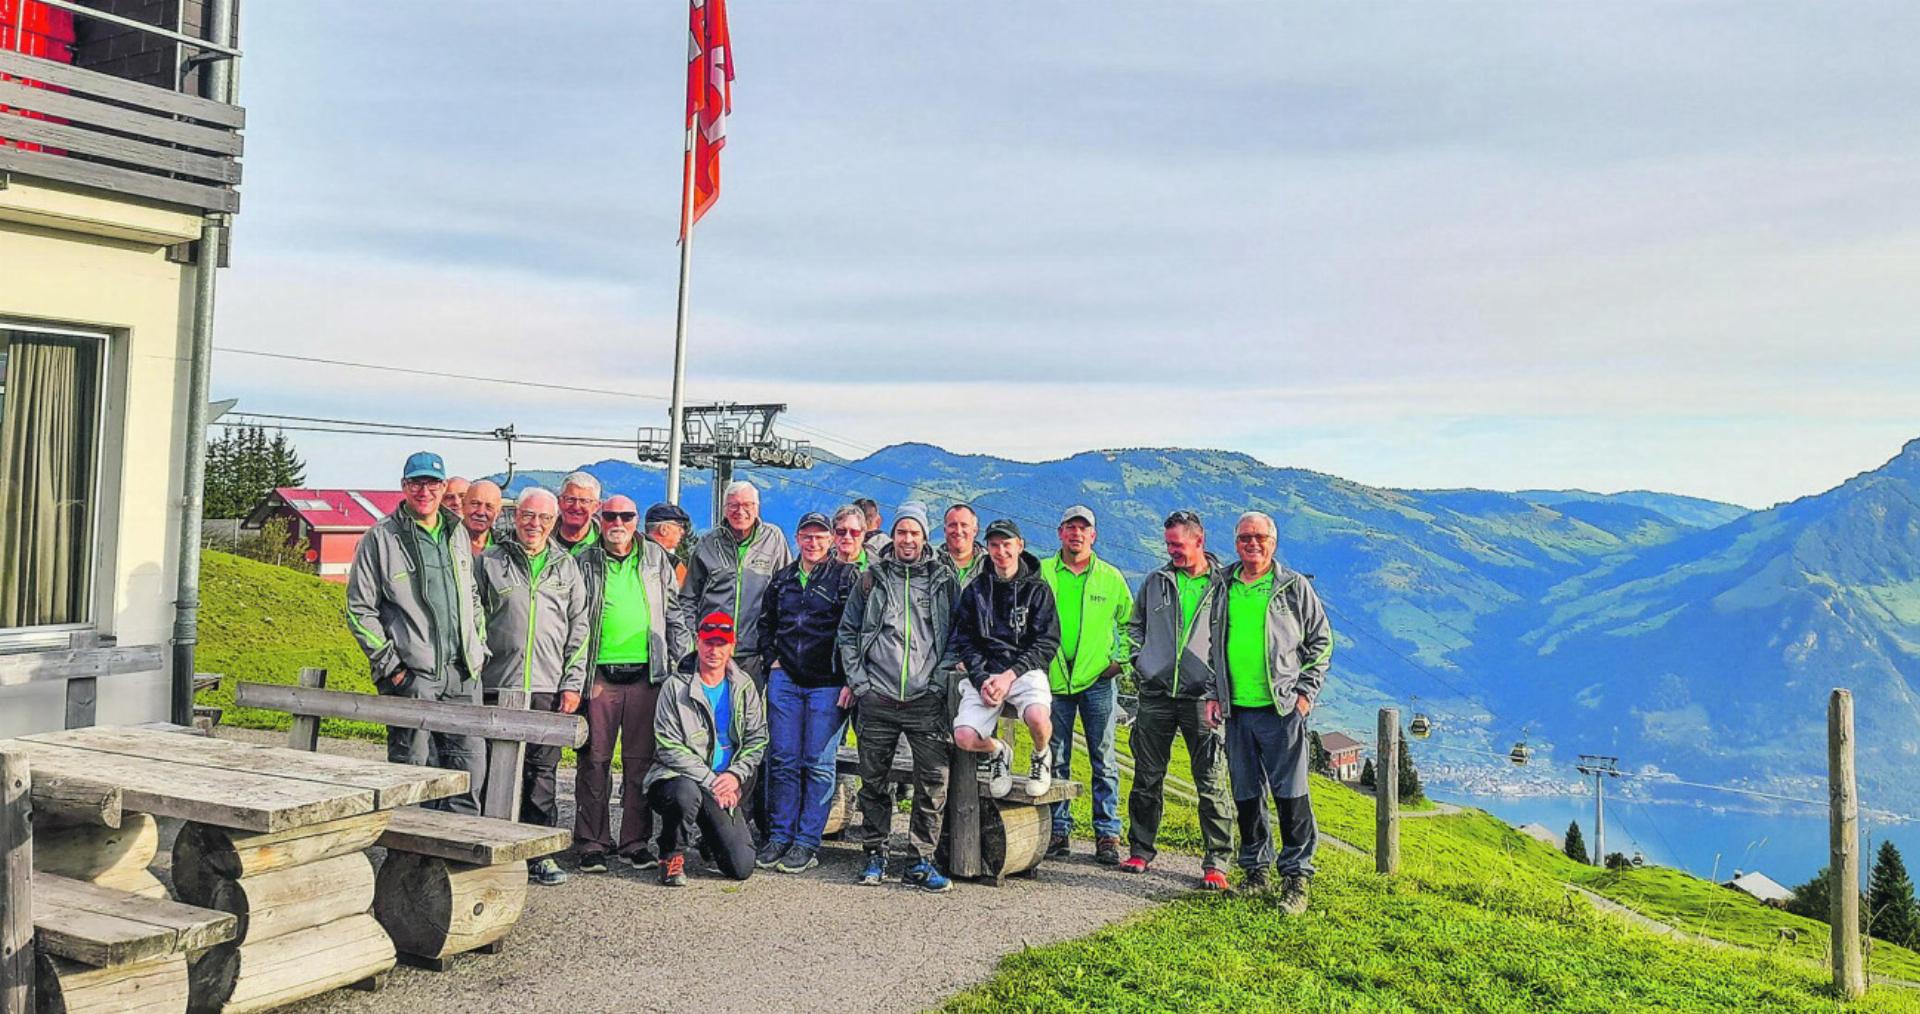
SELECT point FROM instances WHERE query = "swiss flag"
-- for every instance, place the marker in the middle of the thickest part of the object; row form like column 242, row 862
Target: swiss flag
column 709, row 98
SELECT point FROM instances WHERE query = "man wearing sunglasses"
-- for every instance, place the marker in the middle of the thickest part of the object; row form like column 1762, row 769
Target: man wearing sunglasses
column 850, row 537
column 712, row 731
column 413, row 606
column 636, row 636
column 536, row 608
column 1176, row 622
column 1273, row 662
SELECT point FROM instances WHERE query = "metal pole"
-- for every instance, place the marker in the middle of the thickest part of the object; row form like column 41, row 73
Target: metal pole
column 1599, row 819
column 678, row 408
column 1849, row 974
column 216, row 80
column 1386, row 794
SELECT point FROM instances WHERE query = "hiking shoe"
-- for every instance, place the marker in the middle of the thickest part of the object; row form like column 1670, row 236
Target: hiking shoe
column 641, row 858
column 1293, row 895
column 1257, row 881
column 1106, row 850
column 1000, row 771
column 770, row 854
column 673, row 872
column 928, row 877
column 592, row 861
column 1059, row 847
column 1039, row 774
column 546, row 873
column 1214, row 880
column 1134, row 864
column 799, row 859
column 876, row 872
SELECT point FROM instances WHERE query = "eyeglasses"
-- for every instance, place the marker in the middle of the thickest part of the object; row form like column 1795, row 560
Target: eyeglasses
column 851, row 532
column 577, row 501
column 530, row 516
column 1182, row 517
column 619, row 516
column 423, row 483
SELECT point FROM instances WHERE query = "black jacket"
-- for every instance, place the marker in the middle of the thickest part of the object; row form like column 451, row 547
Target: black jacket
column 1000, row 625
column 798, row 623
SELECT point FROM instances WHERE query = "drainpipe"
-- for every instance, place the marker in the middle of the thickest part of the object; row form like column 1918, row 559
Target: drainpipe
column 216, row 80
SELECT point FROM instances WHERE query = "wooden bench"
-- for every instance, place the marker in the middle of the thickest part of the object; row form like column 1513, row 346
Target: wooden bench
column 451, row 883
column 107, row 950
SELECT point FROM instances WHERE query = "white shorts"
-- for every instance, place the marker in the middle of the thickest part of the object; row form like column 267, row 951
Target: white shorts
column 1028, row 689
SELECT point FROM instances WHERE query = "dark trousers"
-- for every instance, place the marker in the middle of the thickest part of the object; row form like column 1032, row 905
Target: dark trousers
column 684, row 805
column 1154, row 727
column 929, row 733
column 539, row 773
column 439, row 749
column 1267, row 753
column 622, row 712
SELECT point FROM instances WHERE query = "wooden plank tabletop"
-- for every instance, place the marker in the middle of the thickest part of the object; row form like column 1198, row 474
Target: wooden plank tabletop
column 197, row 790
column 393, row 785
column 102, row 927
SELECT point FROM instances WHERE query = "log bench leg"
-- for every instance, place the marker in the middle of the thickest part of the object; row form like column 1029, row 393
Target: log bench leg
column 436, row 908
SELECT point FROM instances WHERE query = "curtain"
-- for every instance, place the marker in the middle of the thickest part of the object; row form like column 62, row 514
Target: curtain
column 47, row 421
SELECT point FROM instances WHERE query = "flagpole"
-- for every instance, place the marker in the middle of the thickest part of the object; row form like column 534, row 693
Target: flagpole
column 678, row 408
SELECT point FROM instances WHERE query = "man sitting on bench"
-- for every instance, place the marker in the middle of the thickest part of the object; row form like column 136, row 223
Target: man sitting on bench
column 710, row 735
column 1005, row 632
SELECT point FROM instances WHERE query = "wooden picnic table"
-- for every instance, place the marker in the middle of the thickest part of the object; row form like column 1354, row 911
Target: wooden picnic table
column 278, row 837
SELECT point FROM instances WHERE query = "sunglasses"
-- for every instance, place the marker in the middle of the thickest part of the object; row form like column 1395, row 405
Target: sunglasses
column 1182, row 517
column 716, row 628
column 849, row 531
column 620, row 516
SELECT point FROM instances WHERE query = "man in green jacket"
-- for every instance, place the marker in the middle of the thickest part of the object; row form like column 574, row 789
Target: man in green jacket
column 1272, row 661
column 1096, row 608
column 1176, row 620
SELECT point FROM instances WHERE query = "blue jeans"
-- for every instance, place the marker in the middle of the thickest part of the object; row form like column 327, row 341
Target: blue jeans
column 1096, row 706
column 805, row 726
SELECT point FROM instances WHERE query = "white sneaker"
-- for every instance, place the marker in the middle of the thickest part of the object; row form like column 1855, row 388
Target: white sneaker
column 1000, row 771
column 1040, row 774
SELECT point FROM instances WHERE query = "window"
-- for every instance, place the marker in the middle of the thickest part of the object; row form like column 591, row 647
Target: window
column 50, row 393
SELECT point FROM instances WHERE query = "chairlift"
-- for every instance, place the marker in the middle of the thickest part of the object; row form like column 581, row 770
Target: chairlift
column 1521, row 753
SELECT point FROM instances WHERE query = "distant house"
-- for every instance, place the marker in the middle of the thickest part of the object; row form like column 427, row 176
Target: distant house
column 1760, row 887
column 1543, row 834
column 331, row 520
column 1344, row 752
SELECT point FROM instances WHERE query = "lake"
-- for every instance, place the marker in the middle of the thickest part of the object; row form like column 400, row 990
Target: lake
column 1789, row 845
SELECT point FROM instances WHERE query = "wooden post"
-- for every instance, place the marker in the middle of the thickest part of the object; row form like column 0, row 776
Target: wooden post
column 82, row 691
column 505, row 757
column 1849, row 975
column 305, row 732
column 1386, row 794
column 963, row 804
column 16, row 886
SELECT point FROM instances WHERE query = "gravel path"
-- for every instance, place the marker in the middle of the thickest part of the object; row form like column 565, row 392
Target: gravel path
column 814, row 942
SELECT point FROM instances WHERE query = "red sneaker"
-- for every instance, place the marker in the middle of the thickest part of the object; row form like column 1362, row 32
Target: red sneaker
column 1214, row 880
column 1133, row 864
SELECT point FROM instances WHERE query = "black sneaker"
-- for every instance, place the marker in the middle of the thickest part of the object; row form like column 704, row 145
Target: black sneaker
column 641, row 858
column 1257, row 881
column 799, row 859
column 1293, row 895
column 770, row 854
column 546, row 872
column 1058, row 847
column 592, row 861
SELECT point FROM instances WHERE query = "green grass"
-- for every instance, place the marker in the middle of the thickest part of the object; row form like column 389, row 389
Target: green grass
column 1477, row 920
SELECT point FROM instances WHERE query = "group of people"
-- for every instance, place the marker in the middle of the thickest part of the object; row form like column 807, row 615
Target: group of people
column 729, row 681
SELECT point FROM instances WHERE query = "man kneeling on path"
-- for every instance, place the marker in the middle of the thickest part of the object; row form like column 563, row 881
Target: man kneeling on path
column 1274, row 662
column 710, row 734
column 535, row 606
column 1005, row 632
column 892, row 638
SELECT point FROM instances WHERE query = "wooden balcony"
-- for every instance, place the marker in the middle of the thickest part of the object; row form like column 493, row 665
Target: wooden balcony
column 110, row 134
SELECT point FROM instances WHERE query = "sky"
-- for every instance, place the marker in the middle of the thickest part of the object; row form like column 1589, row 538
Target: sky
column 1621, row 246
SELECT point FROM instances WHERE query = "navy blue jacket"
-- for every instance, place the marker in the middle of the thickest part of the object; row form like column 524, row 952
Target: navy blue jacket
column 798, row 622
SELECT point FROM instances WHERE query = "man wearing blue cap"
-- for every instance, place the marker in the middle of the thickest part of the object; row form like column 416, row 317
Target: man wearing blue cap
column 412, row 605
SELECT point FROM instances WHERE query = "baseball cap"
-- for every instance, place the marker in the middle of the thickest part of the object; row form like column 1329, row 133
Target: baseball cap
column 424, row 465
column 662, row 512
column 717, row 626
column 1003, row 528
column 1078, row 512
column 812, row 519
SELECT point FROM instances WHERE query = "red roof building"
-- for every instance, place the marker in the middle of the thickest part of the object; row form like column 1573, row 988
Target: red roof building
column 331, row 520
column 1344, row 752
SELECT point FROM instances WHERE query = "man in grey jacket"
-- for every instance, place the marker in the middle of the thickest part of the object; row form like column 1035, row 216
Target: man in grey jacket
column 731, row 569
column 1176, row 621
column 536, row 609
column 412, row 605
column 711, row 729
column 892, row 638
column 1272, row 663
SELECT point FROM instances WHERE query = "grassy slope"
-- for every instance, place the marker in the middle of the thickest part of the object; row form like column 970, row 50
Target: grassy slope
column 1478, row 920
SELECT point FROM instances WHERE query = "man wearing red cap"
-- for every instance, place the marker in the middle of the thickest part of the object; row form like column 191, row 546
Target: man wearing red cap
column 711, row 731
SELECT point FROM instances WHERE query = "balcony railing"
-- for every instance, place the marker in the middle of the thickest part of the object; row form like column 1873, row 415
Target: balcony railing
column 108, row 133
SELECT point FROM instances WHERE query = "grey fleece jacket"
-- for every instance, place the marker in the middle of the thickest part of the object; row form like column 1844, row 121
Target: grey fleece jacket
column 720, row 578
column 1158, row 639
column 387, row 611
column 670, row 636
column 1299, row 641
column 536, row 635
column 684, row 730
column 893, row 634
